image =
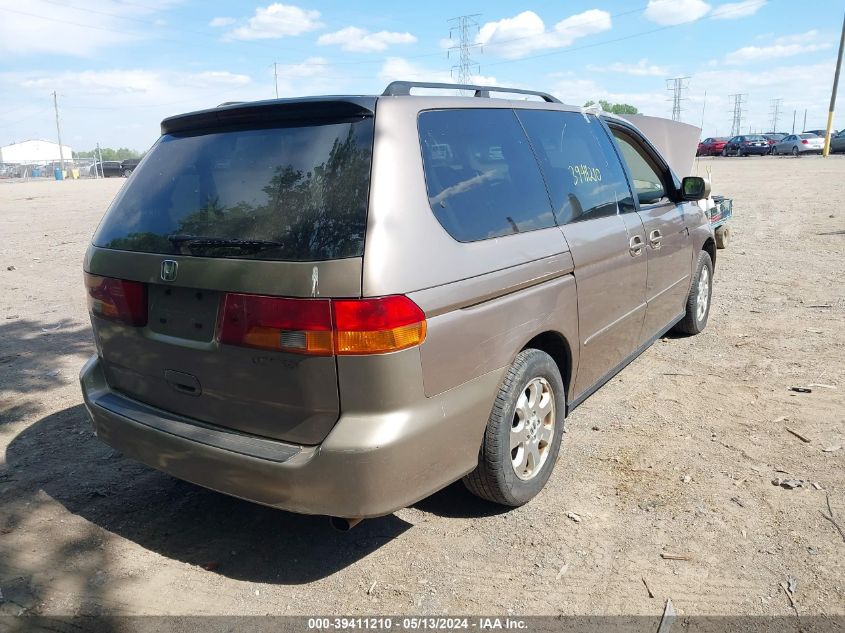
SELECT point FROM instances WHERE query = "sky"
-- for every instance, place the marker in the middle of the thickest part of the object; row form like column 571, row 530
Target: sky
column 118, row 66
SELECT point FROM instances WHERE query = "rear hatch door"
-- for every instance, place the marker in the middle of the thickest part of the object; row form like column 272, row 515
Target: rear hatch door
column 266, row 199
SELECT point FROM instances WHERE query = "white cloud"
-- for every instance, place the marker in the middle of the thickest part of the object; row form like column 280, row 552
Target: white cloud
column 575, row 90
column 808, row 37
column 787, row 46
column 641, row 69
column 147, row 85
column 525, row 33
column 670, row 12
column 736, row 10
column 311, row 67
column 218, row 22
column 763, row 85
column 119, row 107
column 358, row 40
column 399, row 68
column 52, row 28
column 276, row 21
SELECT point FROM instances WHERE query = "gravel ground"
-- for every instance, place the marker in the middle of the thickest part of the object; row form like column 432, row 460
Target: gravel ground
column 669, row 467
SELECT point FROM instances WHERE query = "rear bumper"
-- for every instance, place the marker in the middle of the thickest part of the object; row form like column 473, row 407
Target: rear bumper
column 369, row 465
column 756, row 150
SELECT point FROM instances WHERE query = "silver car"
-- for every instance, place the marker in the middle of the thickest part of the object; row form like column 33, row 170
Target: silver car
column 837, row 142
column 795, row 144
column 340, row 305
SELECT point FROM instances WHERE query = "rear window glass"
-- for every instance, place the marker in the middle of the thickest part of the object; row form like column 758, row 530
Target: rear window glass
column 482, row 178
column 809, row 135
column 282, row 193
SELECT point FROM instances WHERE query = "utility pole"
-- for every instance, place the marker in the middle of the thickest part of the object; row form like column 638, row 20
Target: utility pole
column 775, row 112
column 805, row 120
column 794, row 112
column 677, row 86
column 830, row 110
column 276, row 78
column 59, row 132
column 466, row 27
column 101, row 169
column 737, row 113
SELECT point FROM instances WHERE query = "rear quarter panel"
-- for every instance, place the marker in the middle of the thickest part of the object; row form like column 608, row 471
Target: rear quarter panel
column 483, row 300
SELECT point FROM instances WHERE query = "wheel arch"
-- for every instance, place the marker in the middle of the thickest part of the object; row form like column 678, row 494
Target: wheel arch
column 555, row 345
column 710, row 248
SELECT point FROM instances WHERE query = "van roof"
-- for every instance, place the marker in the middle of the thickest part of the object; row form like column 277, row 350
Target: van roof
column 343, row 106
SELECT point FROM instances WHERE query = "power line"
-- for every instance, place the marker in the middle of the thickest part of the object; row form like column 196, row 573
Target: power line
column 774, row 111
column 737, row 113
column 59, row 131
column 466, row 26
column 677, row 86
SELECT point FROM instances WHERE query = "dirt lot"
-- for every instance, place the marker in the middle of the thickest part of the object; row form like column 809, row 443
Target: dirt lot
column 675, row 456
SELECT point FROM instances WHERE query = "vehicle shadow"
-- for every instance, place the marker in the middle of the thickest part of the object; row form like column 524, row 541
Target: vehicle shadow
column 29, row 351
column 456, row 502
column 60, row 455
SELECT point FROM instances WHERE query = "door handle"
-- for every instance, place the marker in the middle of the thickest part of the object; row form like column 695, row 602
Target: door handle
column 654, row 239
column 635, row 246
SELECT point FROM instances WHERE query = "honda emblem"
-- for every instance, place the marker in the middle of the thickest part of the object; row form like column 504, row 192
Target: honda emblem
column 168, row 270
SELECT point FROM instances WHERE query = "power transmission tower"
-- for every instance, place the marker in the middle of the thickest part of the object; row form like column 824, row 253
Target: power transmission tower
column 737, row 113
column 775, row 112
column 59, row 132
column 466, row 26
column 677, row 86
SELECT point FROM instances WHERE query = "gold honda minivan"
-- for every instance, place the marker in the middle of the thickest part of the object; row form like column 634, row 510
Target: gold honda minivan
column 340, row 305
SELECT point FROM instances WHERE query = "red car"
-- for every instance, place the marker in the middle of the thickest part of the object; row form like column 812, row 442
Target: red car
column 711, row 146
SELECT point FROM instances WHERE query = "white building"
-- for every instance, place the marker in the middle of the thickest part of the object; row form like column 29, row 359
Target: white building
column 33, row 152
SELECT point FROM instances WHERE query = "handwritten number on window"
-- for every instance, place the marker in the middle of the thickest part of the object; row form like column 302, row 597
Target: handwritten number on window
column 584, row 173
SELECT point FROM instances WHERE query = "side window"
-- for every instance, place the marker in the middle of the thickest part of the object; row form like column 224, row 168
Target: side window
column 482, row 178
column 585, row 177
column 648, row 182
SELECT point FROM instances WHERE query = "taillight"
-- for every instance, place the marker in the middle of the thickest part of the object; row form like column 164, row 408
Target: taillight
column 117, row 300
column 805, row 142
column 376, row 326
column 322, row 326
column 290, row 325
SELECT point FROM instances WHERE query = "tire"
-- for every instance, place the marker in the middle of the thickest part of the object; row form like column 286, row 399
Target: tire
column 724, row 151
column 795, row 151
column 127, row 173
column 723, row 236
column 695, row 319
column 513, row 416
column 739, row 152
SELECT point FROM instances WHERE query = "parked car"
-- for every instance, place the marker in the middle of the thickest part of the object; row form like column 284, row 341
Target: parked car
column 106, row 169
column 393, row 306
column 773, row 138
column 795, row 144
column 711, row 146
column 837, row 143
column 821, row 133
column 128, row 166
column 746, row 145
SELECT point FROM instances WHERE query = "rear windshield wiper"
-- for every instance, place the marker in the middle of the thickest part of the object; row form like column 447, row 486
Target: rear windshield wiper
column 191, row 241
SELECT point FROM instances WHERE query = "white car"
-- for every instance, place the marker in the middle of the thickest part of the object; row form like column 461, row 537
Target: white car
column 796, row 144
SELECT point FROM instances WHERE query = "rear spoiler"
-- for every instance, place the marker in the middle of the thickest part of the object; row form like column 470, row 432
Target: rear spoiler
column 310, row 109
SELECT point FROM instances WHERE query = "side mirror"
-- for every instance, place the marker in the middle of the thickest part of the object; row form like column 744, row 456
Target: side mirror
column 695, row 188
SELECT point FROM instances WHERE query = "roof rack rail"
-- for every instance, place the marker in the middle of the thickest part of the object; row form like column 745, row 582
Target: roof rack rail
column 403, row 89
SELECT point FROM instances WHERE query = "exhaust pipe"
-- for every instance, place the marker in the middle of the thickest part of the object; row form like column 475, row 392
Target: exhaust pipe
column 342, row 524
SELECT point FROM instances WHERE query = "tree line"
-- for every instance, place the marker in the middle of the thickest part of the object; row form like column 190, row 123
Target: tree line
column 109, row 153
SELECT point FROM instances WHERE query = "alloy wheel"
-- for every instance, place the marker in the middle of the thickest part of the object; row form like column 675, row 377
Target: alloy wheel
column 533, row 428
column 703, row 298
